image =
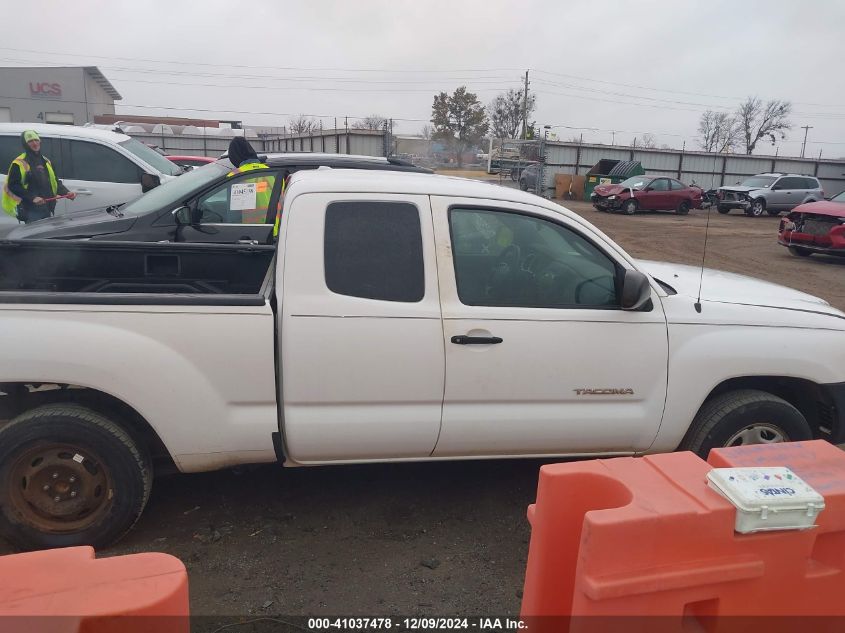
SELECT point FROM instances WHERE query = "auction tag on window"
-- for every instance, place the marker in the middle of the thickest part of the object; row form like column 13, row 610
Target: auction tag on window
column 243, row 196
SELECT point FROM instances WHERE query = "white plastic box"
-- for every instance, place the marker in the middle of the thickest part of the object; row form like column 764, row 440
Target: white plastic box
column 767, row 498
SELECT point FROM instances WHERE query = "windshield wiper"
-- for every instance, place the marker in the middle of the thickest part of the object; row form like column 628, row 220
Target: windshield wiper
column 115, row 210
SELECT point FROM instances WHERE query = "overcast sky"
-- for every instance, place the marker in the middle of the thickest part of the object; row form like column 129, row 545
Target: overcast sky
column 633, row 67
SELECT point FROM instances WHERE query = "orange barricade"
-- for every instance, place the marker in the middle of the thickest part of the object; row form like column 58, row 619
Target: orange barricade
column 69, row 591
column 646, row 544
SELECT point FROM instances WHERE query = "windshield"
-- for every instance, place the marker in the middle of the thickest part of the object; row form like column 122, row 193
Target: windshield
column 839, row 197
column 151, row 157
column 635, row 182
column 174, row 192
column 758, row 181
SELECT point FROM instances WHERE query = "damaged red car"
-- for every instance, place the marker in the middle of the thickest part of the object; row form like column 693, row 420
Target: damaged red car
column 653, row 193
column 815, row 227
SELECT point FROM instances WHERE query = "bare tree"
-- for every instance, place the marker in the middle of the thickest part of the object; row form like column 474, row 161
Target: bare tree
column 506, row 112
column 718, row 131
column 646, row 142
column 372, row 122
column 302, row 124
column 427, row 132
column 758, row 120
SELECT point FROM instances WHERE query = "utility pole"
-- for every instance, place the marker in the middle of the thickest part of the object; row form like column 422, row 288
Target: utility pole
column 525, row 109
column 806, row 129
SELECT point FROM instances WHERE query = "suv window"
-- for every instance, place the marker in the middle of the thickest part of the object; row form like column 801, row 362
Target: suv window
column 659, row 184
column 811, row 183
column 239, row 200
column 97, row 163
column 791, row 182
column 373, row 250
column 10, row 147
column 508, row 259
column 677, row 184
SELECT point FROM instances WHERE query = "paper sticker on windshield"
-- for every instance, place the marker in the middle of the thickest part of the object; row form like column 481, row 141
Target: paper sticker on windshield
column 243, row 196
column 638, row 184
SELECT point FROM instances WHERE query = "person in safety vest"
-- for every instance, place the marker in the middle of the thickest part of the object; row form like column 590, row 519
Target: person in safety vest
column 31, row 183
column 244, row 159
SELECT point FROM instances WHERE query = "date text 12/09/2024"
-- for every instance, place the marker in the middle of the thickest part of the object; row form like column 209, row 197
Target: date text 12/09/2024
column 415, row 624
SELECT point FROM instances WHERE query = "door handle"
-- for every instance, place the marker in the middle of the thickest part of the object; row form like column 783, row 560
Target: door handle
column 85, row 192
column 475, row 340
column 246, row 240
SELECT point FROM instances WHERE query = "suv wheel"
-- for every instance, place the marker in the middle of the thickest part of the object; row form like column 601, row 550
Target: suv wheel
column 758, row 205
column 723, row 209
column 745, row 416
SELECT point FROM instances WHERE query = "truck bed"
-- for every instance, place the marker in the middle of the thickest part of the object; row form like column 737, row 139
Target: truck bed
column 55, row 271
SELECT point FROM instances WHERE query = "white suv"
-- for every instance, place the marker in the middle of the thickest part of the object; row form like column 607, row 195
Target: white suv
column 771, row 193
column 103, row 168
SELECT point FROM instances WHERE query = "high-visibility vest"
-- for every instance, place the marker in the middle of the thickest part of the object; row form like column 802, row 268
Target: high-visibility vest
column 263, row 192
column 10, row 201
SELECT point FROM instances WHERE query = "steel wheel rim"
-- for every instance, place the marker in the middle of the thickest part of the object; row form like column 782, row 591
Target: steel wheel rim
column 758, row 433
column 59, row 488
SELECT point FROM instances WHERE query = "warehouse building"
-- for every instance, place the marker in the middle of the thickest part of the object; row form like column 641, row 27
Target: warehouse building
column 71, row 95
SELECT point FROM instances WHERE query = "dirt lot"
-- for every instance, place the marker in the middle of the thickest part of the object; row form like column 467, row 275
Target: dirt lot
column 447, row 538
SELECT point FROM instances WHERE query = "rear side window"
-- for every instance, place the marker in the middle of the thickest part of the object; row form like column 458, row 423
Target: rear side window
column 97, row 163
column 10, row 148
column 811, row 183
column 373, row 250
column 791, row 182
column 677, row 184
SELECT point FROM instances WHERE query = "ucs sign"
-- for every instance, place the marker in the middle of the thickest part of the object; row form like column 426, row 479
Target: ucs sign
column 43, row 89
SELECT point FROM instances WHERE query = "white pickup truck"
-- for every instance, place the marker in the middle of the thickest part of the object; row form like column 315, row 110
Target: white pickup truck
column 400, row 317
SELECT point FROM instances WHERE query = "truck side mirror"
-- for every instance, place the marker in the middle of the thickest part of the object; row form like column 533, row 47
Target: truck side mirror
column 636, row 291
column 149, row 181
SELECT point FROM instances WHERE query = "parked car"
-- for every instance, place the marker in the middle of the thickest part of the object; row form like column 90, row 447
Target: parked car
column 653, row 193
column 190, row 162
column 770, row 193
column 200, row 206
column 403, row 317
column 815, row 227
column 103, row 168
column 528, row 177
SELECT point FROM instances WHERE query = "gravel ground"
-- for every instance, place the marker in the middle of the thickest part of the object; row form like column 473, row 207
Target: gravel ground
column 440, row 538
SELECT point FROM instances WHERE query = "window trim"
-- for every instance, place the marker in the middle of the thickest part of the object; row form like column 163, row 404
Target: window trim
column 423, row 265
column 619, row 268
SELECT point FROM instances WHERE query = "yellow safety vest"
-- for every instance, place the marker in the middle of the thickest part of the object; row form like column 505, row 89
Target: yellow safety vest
column 263, row 192
column 10, row 201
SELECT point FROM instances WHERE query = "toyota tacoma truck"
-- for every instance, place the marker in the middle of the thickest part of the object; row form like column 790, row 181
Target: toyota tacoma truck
column 400, row 317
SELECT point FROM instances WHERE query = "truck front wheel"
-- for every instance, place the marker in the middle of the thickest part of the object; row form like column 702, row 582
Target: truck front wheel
column 69, row 476
column 745, row 416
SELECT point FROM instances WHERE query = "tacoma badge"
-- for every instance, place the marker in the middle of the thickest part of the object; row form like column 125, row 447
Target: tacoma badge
column 605, row 392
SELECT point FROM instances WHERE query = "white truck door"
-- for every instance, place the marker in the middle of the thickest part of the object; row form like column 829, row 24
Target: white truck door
column 362, row 359
column 540, row 359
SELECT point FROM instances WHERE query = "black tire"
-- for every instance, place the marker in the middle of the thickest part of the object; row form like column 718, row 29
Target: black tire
column 683, row 208
column 630, row 206
column 721, row 418
column 800, row 252
column 523, row 185
column 723, row 210
column 102, row 452
column 758, row 205
column 515, row 174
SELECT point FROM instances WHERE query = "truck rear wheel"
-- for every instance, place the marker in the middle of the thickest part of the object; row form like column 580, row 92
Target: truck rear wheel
column 745, row 416
column 69, row 476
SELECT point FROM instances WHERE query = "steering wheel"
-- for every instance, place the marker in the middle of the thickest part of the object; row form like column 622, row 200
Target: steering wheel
column 610, row 293
column 509, row 258
column 208, row 213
